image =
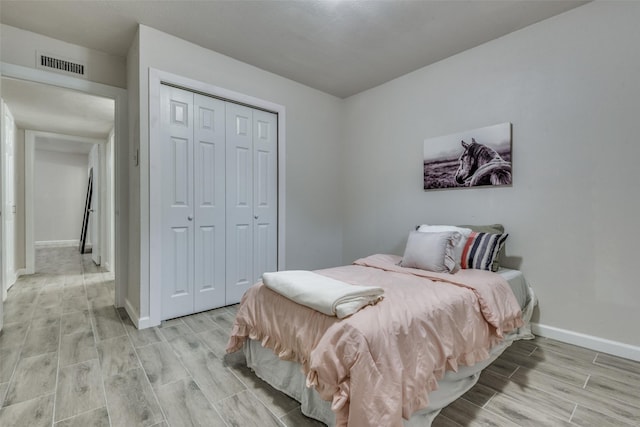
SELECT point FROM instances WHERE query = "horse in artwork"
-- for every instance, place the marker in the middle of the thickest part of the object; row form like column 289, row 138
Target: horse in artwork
column 482, row 165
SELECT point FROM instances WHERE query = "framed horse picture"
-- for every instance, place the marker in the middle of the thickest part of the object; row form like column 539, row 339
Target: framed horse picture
column 479, row 157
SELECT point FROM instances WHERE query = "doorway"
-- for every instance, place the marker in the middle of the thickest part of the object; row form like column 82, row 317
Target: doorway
column 56, row 194
column 74, row 92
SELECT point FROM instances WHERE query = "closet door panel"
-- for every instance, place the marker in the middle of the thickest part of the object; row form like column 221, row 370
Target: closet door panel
column 179, row 247
column 265, row 152
column 176, row 145
column 239, row 197
column 241, row 251
column 209, row 190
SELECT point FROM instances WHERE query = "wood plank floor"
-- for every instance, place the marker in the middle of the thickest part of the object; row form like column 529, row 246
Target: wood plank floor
column 543, row 382
column 68, row 358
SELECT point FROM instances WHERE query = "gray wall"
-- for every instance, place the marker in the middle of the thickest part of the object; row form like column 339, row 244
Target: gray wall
column 313, row 147
column 570, row 87
column 59, row 195
column 19, row 47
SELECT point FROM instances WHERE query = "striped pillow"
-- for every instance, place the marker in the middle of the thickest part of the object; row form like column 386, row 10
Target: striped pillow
column 481, row 250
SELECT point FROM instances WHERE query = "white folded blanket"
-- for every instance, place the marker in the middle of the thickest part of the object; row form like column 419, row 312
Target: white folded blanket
column 324, row 294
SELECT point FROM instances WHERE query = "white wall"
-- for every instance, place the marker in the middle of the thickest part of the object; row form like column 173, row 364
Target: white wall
column 19, row 47
column 313, row 135
column 60, row 189
column 570, row 87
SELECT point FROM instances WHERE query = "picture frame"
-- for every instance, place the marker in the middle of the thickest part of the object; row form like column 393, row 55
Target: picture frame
column 475, row 158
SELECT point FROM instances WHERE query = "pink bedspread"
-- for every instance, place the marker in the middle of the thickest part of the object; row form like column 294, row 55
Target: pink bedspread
column 379, row 365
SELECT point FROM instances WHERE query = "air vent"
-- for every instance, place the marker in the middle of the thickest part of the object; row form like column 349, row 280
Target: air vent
column 49, row 62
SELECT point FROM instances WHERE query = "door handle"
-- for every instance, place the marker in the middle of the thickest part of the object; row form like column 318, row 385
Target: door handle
column 255, row 217
column 190, row 218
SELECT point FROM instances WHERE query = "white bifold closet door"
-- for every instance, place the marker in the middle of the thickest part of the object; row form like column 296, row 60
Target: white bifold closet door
column 219, row 169
column 251, row 197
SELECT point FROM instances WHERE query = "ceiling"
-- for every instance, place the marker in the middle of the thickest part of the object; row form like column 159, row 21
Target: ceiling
column 338, row 47
column 41, row 107
column 61, row 144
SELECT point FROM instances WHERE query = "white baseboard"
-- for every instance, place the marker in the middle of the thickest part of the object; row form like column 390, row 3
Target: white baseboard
column 12, row 276
column 56, row 243
column 19, row 272
column 140, row 322
column 132, row 312
column 13, row 279
column 588, row 341
column 144, row 323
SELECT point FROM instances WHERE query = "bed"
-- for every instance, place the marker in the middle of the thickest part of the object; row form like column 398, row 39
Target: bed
column 394, row 363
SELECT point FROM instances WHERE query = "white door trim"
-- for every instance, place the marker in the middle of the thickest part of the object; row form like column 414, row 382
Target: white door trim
column 150, row 196
column 3, row 293
column 121, row 146
column 95, row 221
column 29, row 221
column 8, row 272
column 108, row 228
column 30, row 137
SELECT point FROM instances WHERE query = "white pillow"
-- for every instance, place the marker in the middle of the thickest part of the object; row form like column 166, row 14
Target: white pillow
column 431, row 251
column 459, row 247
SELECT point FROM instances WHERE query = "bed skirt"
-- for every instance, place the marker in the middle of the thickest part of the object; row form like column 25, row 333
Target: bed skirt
column 288, row 378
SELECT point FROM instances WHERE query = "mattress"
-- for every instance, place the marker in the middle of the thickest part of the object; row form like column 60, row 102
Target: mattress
column 517, row 283
column 288, row 378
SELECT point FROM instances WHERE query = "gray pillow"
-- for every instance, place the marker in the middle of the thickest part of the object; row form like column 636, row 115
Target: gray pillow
column 491, row 229
column 431, row 251
column 459, row 247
